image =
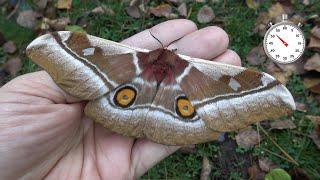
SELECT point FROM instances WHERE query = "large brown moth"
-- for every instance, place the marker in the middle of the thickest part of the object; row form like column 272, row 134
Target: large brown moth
column 166, row 97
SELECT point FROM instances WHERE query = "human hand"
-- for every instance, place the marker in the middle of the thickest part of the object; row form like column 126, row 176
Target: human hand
column 44, row 133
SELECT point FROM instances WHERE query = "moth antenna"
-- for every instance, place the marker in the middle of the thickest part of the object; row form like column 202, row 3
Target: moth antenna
column 156, row 39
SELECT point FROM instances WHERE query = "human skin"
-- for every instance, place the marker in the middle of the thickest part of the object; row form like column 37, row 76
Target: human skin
column 44, row 133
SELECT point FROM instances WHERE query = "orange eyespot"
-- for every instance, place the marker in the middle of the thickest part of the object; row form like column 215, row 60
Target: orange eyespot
column 125, row 96
column 184, row 108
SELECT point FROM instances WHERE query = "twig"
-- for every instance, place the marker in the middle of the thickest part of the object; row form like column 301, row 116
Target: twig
column 278, row 155
column 278, row 146
column 14, row 10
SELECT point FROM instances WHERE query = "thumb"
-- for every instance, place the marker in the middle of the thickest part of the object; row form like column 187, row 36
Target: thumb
column 36, row 88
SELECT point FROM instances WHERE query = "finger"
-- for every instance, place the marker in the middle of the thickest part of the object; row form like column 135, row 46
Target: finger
column 165, row 32
column 205, row 43
column 37, row 88
column 145, row 154
column 229, row 57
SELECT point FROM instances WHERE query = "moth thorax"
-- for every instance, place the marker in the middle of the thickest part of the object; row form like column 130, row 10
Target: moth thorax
column 160, row 70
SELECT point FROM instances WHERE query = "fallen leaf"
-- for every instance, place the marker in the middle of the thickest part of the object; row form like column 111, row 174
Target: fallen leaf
column 284, row 72
column 205, row 169
column 282, row 124
column 315, row 31
column 314, row 42
column 42, row 4
column 276, row 174
column 182, row 9
column 313, row 84
column 51, row 12
column 59, row 24
column 296, row 19
column 205, row 14
column 103, row 10
column 306, row 2
column 27, row 19
column 313, row 63
column 64, row 4
column 301, row 107
column 133, row 11
column 255, row 173
column 13, row 66
column 253, row 4
column 188, row 149
column 266, row 165
column 161, row 11
column 262, row 23
column 247, row 138
column 276, row 10
column 315, row 136
column 256, row 56
column 138, row 2
column 9, row 47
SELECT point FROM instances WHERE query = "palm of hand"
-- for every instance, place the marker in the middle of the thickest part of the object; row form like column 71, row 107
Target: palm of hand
column 44, row 133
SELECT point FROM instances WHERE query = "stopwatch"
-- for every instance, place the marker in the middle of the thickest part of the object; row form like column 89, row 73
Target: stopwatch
column 284, row 42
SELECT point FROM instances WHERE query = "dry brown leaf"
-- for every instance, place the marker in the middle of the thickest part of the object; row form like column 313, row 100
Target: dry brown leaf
column 13, row 65
column 133, row 11
column 282, row 124
column 51, row 12
column 205, row 14
column 256, row 56
column 284, row 73
column 247, row 138
column 42, row 4
column 313, row 63
column 276, row 10
column 315, row 31
column 301, row 107
column 64, row 4
column 188, row 149
column 306, row 2
column 296, row 19
column 103, row 10
column 314, row 42
column 313, row 84
column 315, row 136
column 261, row 23
column 206, row 169
column 266, row 165
column 255, row 173
column 59, row 24
column 9, row 47
column 161, row 11
column 182, row 9
column 27, row 19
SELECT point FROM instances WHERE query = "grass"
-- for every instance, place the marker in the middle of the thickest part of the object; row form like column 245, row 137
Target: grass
column 238, row 21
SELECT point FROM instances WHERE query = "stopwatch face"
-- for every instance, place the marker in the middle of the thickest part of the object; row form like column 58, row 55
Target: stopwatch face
column 284, row 42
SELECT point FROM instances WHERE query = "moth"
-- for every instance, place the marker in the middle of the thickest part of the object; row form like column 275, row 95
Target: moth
column 166, row 97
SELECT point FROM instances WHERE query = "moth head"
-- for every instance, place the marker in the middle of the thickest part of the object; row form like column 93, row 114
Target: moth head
column 184, row 108
column 125, row 96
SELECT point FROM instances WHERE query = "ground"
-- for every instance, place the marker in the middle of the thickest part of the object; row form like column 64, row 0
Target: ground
column 229, row 160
